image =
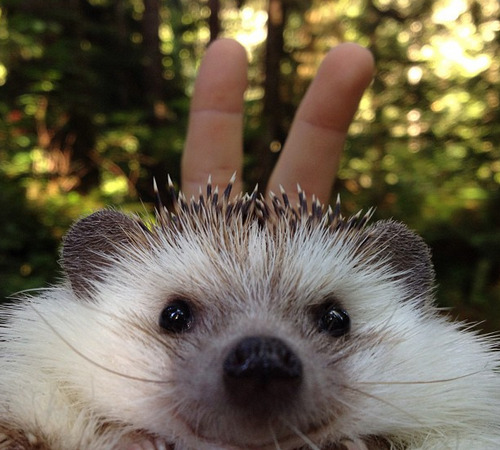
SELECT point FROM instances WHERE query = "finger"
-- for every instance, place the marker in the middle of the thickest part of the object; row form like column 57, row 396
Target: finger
column 214, row 141
column 311, row 154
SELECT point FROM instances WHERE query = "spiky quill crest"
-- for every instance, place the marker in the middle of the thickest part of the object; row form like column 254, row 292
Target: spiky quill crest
column 253, row 207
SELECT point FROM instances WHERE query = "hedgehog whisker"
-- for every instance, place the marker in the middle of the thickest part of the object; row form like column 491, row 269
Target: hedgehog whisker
column 410, row 382
column 90, row 360
column 379, row 399
column 300, row 434
column 275, row 438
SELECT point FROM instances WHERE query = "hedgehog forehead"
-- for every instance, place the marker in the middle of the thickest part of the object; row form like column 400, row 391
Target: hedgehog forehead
column 239, row 228
column 251, row 261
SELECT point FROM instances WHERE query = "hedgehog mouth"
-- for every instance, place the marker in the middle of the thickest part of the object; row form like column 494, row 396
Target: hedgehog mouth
column 159, row 444
column 262, row 445
column 299, row 441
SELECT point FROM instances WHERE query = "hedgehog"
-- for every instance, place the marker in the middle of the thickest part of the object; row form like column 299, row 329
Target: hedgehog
column 240, row 322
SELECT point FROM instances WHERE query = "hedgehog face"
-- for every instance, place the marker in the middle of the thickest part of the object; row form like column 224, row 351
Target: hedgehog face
column 234, row 324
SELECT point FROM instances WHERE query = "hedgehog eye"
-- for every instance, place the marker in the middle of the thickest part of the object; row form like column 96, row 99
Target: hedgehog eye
column 176, row 317
column 334, row 320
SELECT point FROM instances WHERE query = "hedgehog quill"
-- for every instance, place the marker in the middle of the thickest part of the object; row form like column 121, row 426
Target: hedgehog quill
column 240, row 323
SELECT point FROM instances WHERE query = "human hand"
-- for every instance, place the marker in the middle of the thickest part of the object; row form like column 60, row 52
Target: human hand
column 311, row 154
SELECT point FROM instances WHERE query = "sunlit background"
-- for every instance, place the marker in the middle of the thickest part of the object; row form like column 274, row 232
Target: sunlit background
column 94, row 96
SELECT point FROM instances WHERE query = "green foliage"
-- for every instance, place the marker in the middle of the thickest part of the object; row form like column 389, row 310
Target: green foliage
column 94, row 97
column 26, row 244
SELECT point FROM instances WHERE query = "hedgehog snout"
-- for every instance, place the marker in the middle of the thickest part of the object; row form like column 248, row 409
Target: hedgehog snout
column 262, row 372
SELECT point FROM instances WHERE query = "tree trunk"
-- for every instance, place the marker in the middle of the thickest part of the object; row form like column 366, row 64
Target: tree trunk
column 273, row 133
column 213, row 20
column 153, row 69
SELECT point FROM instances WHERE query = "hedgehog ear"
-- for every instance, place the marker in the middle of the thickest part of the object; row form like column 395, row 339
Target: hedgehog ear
column 408, row 254
column 91, row 242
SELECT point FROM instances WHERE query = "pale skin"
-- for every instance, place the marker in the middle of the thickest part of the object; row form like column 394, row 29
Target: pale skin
column 311, row 154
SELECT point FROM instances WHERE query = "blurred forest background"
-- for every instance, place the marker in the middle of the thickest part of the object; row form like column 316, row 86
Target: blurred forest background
column 94, row 98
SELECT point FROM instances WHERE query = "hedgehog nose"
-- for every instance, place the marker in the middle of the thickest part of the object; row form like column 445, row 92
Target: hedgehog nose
column 261, row 366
